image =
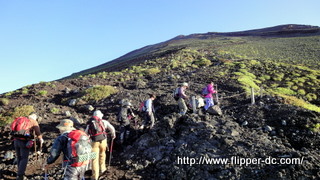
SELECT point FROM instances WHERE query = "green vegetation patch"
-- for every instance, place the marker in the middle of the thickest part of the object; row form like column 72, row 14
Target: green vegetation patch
column 203, row 62
column 22, row 111
column 9, row 116
column 284, row 91
column 97, row 93
column 152, row 71
column 4, row 101
column 291, row 50
column 24, row 91
column 247, row 80
column 315, row 127
column 54, row 110
column 42, row 93
column 300, row 103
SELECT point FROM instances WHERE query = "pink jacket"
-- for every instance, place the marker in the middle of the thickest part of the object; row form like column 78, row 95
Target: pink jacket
column 210, row 90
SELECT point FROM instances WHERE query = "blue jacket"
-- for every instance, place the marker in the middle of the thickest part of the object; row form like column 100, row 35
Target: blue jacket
column 60, row 145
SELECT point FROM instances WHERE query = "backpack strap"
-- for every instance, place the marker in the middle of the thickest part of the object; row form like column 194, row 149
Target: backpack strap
column 102, row 124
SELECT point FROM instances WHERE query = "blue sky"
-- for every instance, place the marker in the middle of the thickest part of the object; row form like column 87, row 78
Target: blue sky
column 42, row 40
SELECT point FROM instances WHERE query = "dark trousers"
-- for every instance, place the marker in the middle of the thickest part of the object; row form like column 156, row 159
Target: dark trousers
column 124, row 133
column 22, row 153
column 74, row 173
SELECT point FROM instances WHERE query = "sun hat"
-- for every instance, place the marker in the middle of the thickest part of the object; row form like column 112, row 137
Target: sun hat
column 66, row 125
column 98, row 113
column 185, row 84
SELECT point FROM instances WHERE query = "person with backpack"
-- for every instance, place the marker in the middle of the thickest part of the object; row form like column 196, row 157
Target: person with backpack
column 23, row 130
column 207, row 94
column 96, row 128
column 124, row 117
column 73, row 143
column 182, row 98
column 148, row 112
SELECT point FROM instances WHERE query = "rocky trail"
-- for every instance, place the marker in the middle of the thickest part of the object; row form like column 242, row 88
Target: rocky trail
column 184, row 147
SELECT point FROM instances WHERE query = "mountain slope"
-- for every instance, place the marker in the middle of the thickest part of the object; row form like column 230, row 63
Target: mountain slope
column 159, row 49
column 283, row 123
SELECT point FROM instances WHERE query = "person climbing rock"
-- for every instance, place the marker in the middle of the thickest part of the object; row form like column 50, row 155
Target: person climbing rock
column 23, row 130
column 124, row 117
column 148, row 112
column 96, row 128
column 207, row 94
column 182, row 98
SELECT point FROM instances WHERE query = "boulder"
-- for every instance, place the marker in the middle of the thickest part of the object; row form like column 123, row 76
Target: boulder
column 215, row 110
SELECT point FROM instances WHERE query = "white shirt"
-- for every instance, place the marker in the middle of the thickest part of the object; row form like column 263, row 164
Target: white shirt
column 108, row 126
column 149, row 105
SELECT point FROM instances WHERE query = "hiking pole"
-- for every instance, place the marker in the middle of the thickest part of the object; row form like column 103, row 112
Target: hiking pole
column 135, row 123
column 111, row 147
column 46, row 174
column 35, row 144
column 39, row 153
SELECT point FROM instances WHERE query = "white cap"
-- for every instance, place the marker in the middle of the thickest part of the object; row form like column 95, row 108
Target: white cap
column 185, row 84
column 98, row 113
column 33, row 116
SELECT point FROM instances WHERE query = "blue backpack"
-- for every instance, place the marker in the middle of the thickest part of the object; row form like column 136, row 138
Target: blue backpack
column 204, row 91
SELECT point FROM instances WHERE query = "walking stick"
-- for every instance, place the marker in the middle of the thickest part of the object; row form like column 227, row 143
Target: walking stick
column 111, row 147
column 217, row 97
column 46, row 174
column 135, row 123
column 35, row 143
column 39, row 153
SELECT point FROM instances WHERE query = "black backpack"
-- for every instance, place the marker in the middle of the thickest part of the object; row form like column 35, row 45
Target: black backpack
column 176, row 94
column 96, row 130
column 123, row 114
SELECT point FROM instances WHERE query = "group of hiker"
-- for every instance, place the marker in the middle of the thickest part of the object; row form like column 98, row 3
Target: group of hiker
column 85, row 147
column 180, row 95
column 77, row 146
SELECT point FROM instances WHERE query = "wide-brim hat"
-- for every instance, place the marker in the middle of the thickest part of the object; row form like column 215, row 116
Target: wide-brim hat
column 66, row 125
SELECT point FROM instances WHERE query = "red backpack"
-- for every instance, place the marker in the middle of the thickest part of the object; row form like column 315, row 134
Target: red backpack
column 96, row 130
column 142, row 107
column 20, row 127
column 79, row 148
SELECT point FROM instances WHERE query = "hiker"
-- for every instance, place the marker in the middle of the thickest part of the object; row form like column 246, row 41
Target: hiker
column 182, row 98
column 124, row 117
column 207, row 93
column 72, row 169
column 96, row 128
column 23, row 142
column 148, row 111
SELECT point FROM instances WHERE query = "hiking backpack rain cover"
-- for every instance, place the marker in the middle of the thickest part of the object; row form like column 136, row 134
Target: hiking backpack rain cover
column 96, row 130
column 79, row 148
column 20, row 127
